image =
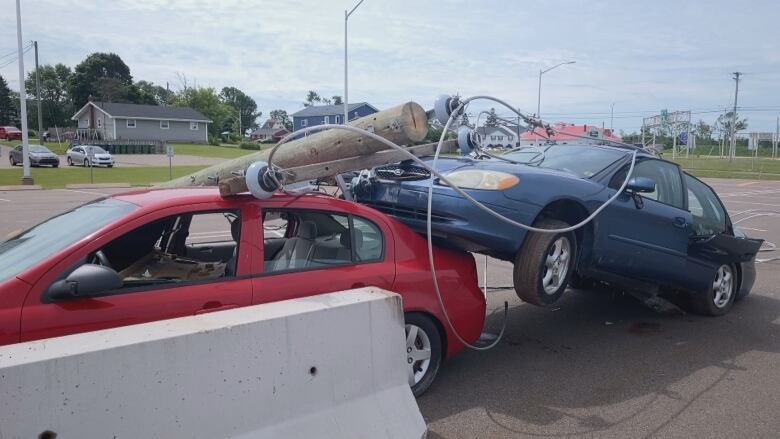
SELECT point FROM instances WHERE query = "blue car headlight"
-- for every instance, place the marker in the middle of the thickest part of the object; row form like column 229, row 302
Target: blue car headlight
column 482, row 179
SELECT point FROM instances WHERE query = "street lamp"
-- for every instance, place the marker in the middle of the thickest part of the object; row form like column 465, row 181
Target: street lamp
column 346, row 81
column 539, row 93
column 26, row 178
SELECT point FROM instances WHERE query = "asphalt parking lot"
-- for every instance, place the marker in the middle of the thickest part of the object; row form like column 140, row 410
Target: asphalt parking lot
column 135, row 160
column 596, row 364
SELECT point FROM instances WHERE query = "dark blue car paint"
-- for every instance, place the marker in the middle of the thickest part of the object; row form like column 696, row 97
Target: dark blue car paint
column 646, row 242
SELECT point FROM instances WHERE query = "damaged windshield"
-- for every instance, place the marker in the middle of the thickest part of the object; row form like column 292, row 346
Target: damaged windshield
column 47, row 238
column 584, row 161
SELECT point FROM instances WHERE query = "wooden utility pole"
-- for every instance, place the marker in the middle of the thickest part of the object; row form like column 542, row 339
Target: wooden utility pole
column 733, row 134
column 404, row 124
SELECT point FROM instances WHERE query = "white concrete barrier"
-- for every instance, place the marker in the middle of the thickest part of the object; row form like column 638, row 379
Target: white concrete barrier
column 328, row 366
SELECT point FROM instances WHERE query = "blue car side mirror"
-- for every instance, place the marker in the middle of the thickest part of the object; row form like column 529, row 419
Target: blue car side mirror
column 641, row 185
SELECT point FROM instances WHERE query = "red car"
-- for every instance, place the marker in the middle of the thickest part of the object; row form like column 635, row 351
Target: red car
column 159, row 254
column 10, row 133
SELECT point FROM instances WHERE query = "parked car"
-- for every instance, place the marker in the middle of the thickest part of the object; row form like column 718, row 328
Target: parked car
column 10, row 133
column 159, row 254
column 39, row 156
column 80, row 155
column 668, row 229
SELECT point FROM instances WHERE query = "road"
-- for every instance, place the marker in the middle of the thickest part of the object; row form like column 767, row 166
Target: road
column 596, row 364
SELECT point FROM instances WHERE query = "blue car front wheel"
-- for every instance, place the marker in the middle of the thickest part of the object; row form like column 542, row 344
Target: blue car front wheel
column 545, row 264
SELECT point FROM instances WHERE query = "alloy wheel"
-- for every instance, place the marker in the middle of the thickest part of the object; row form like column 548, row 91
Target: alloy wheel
column 418, row 353
column 556, row 265
column 723, row 286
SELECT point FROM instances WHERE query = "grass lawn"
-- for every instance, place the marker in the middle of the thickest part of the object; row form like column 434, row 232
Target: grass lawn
column 59, row 177
column 748, row 168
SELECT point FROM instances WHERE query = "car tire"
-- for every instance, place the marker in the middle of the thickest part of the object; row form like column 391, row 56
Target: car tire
column 86, row 163
column 543, row 255
column 11, row 159
column 712, row 302
column 110, row 166
column 70, row 161
column 422, row 334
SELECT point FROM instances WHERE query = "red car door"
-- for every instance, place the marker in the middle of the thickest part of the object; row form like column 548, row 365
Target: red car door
column 42, row 317
column 273, row 280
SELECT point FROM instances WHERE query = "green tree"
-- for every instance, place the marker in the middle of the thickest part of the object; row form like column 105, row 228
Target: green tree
column 7, row 107
column 56, row 106
column 311, row 98
column 207, row 101
column 151, row 94
column 724, row 122
column 244, row 107
column 283, row 118
column 102, row 75
column 337, row 100
column 703, row 130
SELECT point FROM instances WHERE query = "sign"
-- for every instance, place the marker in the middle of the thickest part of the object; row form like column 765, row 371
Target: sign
column 169, row 150
column 684, row 137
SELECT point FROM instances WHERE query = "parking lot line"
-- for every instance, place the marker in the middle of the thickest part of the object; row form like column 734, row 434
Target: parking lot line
column 3, row 199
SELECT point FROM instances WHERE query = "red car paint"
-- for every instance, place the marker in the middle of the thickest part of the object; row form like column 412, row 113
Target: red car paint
column 24, row 316
column 10, row 133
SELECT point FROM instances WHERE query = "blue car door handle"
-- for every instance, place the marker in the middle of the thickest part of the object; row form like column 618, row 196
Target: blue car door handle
column 680, row 222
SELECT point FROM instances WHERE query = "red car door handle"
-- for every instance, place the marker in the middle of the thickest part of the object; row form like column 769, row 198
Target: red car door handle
column 216, row 308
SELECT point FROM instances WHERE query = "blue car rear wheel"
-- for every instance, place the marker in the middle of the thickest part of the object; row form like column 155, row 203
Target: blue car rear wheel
column 544, row 265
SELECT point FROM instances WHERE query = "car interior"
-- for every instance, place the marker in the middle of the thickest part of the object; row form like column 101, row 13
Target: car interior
column 295, row 240
column 186, row 247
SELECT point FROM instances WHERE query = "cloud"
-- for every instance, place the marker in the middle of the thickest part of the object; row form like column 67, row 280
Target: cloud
column 645, row 56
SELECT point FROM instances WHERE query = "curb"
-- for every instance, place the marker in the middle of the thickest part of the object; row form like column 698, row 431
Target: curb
column 21, row 187
column 98, row 186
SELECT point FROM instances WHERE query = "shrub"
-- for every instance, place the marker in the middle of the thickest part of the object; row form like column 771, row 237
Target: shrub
column 214, row 140
column 250, row 145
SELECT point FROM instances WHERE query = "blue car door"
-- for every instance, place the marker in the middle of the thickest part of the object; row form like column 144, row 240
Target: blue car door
column 645, row 236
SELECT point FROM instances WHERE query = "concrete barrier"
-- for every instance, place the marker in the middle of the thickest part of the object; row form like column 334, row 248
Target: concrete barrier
column 323, row 366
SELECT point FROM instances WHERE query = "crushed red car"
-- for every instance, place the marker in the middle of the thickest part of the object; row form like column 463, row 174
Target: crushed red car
column 159, row 254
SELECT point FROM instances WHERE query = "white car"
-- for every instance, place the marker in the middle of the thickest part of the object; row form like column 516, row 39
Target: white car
column 89, row 155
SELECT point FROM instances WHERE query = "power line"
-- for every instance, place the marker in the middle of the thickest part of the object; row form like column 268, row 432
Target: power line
column 13, row 60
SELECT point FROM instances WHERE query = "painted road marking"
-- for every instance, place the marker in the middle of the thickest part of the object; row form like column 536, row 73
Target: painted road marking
column 751, row 228
column 748, row 183
column 3, row 199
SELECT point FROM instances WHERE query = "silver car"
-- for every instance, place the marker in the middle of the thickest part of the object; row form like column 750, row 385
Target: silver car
column 89, row 155
column 39, row 156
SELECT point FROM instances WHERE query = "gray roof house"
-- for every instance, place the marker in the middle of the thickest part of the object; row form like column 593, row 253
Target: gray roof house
column 113, row 121
column 324, row 114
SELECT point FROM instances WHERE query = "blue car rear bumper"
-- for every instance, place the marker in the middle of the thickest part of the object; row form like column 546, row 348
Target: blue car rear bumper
column 456, row 222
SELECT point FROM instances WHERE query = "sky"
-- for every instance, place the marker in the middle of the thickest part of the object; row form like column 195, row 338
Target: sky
column 640, row 56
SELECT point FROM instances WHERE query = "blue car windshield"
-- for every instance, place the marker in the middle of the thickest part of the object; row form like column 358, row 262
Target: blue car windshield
column 51, row 236
column 584, row 161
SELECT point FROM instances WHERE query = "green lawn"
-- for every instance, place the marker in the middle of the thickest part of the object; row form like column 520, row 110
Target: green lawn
column 59, row 177
column 760, row 168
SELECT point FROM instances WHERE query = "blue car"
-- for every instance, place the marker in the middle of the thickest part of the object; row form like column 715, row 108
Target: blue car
column 667, row 231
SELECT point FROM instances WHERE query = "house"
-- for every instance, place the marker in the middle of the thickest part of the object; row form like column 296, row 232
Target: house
column 565, row 133
column 271, row 131
column 113, row 121
column 322, row 114
column 499, row 136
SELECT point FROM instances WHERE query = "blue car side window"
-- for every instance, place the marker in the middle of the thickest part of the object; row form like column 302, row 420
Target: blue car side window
column 709, row 218
column 668, row 185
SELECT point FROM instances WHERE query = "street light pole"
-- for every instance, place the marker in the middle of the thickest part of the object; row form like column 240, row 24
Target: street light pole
column 26, row 178
column 612, row 117
column 539, row 92
column 346, row 78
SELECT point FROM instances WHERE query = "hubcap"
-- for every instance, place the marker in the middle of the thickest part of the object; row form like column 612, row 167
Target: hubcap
column 556, row 265
column 418, row 353
column 722, row 286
